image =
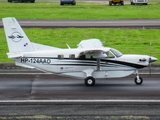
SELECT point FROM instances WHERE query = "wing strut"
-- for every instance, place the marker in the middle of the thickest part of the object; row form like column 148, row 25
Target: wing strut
column 98, row 64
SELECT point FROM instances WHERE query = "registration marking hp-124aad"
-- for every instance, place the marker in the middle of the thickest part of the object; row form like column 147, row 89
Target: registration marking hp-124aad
column 36, row 60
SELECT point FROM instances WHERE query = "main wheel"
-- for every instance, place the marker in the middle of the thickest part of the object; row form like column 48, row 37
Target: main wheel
column 32, row 1
column 138, row 82
column 89, row 81
column 132, row 3
column 74, row 3
column 20, row 1
column 110, row 3
column 122, row 3
column 61, row 3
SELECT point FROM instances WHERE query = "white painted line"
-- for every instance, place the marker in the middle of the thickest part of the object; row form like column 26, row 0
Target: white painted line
column 25, row 73
column 51, row 73
column 79, row 101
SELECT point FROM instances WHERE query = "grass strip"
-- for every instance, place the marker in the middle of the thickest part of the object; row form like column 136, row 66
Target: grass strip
column 128, row 41
column 82, row 10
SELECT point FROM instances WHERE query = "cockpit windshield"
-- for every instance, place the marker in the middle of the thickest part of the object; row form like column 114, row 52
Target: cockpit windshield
column 116, row 52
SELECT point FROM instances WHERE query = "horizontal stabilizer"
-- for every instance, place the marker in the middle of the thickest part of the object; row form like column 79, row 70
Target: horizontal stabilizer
column 15, row 55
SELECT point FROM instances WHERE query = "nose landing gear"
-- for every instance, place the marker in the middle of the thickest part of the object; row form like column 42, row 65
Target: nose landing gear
column 138, row 80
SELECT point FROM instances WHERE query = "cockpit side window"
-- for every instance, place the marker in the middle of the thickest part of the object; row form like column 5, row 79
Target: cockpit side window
column 116, row 52
column 110, row 55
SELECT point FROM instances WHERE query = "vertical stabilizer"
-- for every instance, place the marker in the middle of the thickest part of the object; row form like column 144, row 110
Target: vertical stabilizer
column 16, row 38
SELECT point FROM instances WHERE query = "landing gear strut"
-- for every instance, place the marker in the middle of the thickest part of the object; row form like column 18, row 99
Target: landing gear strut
column 89, row 80
column 138, row 80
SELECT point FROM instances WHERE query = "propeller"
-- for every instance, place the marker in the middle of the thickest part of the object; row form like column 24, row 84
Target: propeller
column 150, row 59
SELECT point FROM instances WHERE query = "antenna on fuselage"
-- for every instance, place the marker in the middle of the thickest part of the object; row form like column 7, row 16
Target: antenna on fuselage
column 68, row 46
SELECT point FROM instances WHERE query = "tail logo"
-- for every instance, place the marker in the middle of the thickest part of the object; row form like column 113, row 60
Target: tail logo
column 26, row 44
column 16, row 36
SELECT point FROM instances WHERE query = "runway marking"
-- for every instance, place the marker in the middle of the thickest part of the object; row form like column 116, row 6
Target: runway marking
column 80, row 101
column 25, row 73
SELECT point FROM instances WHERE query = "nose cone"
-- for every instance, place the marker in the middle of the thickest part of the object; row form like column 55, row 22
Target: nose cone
column 152, row 59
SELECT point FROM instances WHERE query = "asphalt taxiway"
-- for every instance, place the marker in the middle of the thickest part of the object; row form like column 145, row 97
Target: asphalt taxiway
column 52, row 87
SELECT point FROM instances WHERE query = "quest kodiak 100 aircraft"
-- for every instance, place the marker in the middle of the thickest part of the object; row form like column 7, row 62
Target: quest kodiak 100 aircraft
column 90, row 60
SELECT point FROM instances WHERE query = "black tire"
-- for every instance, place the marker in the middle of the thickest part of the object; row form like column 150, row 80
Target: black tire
column 122, row 3
column 9, row 0
column 138, row 82
column 74, row 3
column 32, row 1
column 89, row 81
column 110, row 3
column 61, row 3
column 20, row 1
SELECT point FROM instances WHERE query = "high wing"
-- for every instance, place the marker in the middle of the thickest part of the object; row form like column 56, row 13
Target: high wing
column 93, row 48
column 90, row 43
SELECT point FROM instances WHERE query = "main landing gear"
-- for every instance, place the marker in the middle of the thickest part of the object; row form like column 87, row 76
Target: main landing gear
column 89, row 81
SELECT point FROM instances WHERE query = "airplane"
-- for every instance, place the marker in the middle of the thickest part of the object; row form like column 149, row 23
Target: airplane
column 89, row 61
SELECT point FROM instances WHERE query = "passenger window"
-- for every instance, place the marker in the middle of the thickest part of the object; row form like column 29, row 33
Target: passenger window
column 91, row 56
column 60, row 56
column 71, row 56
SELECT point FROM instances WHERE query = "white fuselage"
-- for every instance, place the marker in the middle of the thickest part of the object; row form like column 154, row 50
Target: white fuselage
column 68, row 62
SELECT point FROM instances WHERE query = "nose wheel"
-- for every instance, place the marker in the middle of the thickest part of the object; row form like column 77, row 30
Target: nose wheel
column 89, row 81
column 138, row 80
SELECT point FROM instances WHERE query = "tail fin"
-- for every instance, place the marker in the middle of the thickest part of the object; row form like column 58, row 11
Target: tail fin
column 16, row 38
